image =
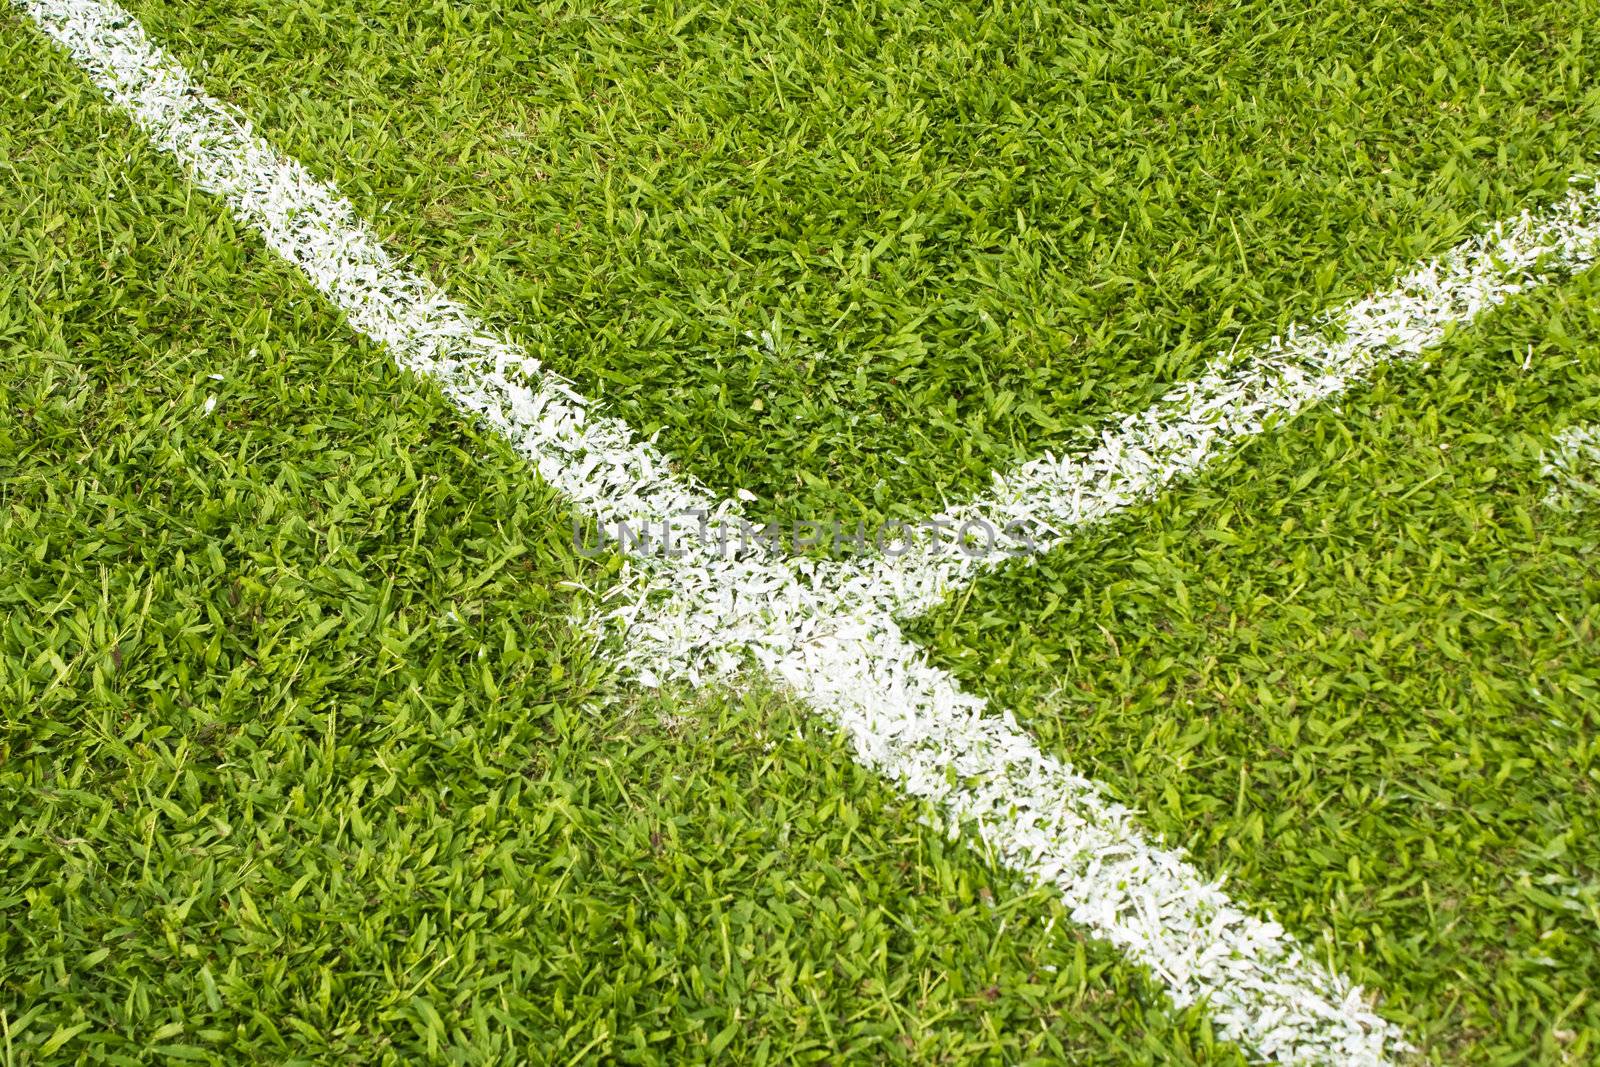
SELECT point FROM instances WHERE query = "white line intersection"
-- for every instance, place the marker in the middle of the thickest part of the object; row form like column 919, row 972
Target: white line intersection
column 829, row 631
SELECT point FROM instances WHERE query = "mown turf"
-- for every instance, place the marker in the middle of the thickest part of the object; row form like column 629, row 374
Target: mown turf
column 306, row 753
column 1357, row 667
column 307, row 750
column 969, row 229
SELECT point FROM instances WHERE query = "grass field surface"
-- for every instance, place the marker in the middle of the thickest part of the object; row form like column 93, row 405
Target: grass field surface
column 968, row 229
column 1356, row 668
column 302, row 700
column 311, row 748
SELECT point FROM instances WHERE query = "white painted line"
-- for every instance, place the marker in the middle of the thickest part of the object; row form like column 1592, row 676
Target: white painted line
column 703, row 616
column 911, row 721
column 980, row 771
column 594, row 460
column 1039, row 505
column 1572, row 464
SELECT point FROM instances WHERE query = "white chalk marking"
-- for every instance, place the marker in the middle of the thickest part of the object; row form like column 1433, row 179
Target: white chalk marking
column 1040, row 504
column 841, row 649
column 981, row 772
column 1572, row 464
column 594, row 460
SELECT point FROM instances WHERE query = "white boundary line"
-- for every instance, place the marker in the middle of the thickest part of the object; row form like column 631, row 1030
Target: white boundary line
column 904, row 717
column 1039, row 505
column 595, row 461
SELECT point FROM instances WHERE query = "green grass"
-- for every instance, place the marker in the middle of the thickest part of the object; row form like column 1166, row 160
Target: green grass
column 306, row 753
column 308, row 747
column 1357, row 667
column 972, row 229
